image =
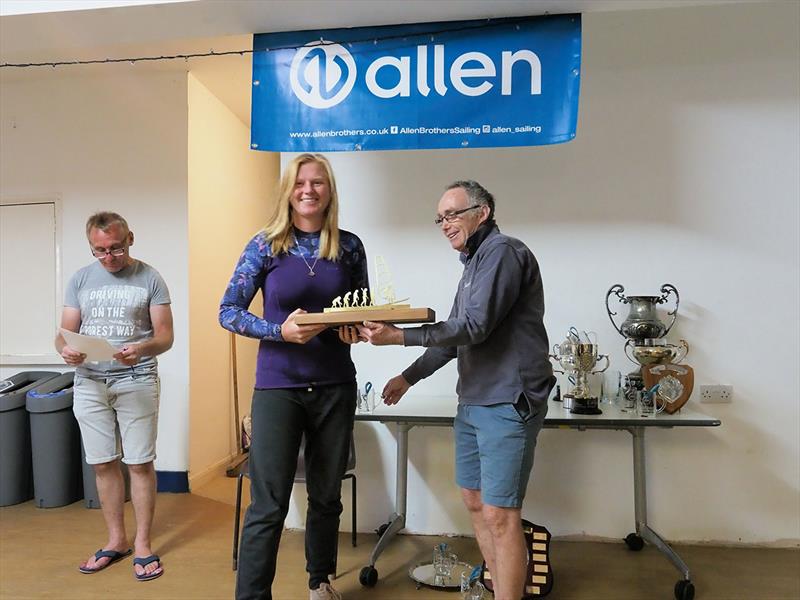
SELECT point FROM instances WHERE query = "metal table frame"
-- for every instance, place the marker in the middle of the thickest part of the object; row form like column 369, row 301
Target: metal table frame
column 416, row 411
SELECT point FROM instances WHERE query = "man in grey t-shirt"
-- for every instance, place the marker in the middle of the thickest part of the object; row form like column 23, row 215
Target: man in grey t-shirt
column 126, row 302
column 496, row 333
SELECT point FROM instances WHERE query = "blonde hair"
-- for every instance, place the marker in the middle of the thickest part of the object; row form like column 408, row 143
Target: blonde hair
column 279, row 229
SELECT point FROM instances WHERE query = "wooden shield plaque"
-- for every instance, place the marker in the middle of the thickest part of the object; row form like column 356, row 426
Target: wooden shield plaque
column 675, row 384
column 539, row 579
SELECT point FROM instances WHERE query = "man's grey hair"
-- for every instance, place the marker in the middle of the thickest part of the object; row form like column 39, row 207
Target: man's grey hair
column 477, row 194
column 104, row 220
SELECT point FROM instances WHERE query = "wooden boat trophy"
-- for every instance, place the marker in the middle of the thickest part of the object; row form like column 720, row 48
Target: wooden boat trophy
column 358, row 306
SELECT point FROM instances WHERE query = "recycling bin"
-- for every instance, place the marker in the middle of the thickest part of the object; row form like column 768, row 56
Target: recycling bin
column 16, row 475
column 55, row 443
column 90, row 496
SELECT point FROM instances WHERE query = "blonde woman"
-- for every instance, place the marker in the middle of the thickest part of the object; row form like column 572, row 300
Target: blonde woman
column 305, row 379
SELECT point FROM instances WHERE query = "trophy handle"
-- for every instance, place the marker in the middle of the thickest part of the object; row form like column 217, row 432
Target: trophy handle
column 666, row 290
column 659, row 404
column 683, row 350
column 630, row 358
column 555, row 358
column 608, row 363
column 616, row 289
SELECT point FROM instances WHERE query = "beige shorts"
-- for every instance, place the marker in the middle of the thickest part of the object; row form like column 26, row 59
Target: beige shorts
column 118, row 418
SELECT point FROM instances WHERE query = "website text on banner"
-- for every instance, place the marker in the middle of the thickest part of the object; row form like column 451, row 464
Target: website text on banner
column 476, row 84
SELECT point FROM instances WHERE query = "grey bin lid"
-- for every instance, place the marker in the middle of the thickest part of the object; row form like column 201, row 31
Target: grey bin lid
column 14, row 395
column 53, row 395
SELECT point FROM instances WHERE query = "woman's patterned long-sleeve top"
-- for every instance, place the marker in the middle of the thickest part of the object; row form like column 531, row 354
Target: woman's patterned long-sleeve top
column 286, row 284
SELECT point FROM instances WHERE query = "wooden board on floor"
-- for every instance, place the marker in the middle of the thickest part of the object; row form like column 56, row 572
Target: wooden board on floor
column 386, row 315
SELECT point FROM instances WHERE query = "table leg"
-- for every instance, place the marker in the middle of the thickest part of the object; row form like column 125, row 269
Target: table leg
column 640, row 504
column 397, row 521
column 639, row 478
column 401, row 476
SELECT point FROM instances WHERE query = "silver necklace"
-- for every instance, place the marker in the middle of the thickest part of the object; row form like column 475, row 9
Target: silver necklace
column 309, row 266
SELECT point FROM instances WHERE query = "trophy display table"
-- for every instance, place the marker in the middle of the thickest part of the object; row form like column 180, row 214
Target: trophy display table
column 429, row 411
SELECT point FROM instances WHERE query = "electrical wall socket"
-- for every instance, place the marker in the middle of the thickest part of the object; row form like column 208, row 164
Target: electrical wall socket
column 716, row 393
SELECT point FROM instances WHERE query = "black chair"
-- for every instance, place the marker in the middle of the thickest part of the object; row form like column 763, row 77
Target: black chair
column 299, row 477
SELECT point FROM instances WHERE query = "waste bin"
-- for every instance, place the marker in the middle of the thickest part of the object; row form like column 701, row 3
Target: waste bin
column 55, row 443
column 16, row 479
column 90, row 496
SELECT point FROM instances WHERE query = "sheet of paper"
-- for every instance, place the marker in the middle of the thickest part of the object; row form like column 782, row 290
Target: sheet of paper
column 95, row 348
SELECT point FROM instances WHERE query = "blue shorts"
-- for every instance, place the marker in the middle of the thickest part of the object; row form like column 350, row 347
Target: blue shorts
column 494, row 450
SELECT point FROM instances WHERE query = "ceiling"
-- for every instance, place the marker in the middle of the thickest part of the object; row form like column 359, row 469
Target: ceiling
column 197, row 26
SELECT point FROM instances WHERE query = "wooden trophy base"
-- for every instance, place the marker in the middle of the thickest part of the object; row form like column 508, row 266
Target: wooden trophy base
column 351, row 316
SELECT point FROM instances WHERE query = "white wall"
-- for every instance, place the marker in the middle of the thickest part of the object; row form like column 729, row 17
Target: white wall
column 111, row 143
column 684, row 170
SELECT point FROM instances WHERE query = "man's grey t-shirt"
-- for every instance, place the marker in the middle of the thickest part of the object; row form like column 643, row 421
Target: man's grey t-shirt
column 116, row 306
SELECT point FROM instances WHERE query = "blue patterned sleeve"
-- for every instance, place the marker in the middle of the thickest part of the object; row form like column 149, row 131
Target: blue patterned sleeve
column 360, row 266
column 248, row 277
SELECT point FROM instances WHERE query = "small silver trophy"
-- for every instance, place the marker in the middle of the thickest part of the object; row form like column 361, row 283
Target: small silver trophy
column 578, row 357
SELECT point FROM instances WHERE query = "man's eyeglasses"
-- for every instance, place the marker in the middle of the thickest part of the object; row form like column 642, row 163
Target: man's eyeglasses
column 101, row 254
column 451, row 216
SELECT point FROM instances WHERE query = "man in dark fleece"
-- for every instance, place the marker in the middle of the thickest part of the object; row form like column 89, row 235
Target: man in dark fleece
column 496, row 332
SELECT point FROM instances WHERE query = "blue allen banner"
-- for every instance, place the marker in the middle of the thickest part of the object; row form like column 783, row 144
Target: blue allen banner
column 466, row 84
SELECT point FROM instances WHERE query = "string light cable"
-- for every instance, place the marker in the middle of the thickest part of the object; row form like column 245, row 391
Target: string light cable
column 485, row 24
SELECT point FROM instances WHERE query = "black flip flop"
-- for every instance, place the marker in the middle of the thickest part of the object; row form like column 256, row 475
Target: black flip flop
column 143, row 562
column 112, row 554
